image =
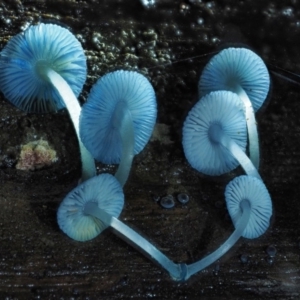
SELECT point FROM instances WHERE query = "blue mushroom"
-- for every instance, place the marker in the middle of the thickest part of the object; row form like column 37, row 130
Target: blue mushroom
column 96, row 204
column 118, row 118
column 93, row 206
column 247, row 191
column 43, row 69
column 105, row 192
column 250, row 207
column 215, row 135
column 243, row 72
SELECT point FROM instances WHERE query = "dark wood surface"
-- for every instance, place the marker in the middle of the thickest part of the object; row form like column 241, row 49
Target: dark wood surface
column 170, row 45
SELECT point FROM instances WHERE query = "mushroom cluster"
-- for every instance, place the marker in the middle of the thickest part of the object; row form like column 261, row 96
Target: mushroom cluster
column 96, row 204
column 232, row 86
column 214, row 141
column 43, row 69
column 242, row 72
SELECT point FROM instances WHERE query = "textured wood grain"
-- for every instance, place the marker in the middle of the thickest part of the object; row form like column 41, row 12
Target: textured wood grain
column 37, row 261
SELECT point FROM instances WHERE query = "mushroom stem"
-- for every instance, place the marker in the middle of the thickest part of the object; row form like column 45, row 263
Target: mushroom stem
column 217, row 135
column 211, row 258
column 73, row 107
column 176, row 271
column 251, row 126
column 122, row 120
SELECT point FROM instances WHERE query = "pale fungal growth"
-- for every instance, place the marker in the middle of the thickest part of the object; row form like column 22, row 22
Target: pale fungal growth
column 36, row 155
column 161, row 133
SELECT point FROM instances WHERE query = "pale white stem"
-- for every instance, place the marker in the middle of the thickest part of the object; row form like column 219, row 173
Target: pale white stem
column 73, row 107
column 122, row 120
column 176, row 271
column 251, row 126
column 218, row 136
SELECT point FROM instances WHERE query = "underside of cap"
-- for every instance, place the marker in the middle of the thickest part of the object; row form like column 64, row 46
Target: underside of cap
column 103, row 189
column 233, row 68
column 222, row 108
column 253, row 190
column 27, row 56
column 97, row 129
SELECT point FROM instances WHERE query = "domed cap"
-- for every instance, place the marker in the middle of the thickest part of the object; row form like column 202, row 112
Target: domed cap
column 103, row 189
column 27, row 54
column 225, row 110
column 251, row 189
column 234, row 67
column 97, row 130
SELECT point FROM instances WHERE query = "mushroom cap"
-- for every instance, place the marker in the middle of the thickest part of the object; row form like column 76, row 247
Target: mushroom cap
column 103, row 189
column 221, row 108
column 39, row 47
column 252, row 189
column 97, row 131
column 234, row 67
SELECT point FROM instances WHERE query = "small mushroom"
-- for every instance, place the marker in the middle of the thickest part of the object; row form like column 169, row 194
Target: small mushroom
column 102, row 190
column 243, row 72
column 118, row 118
column 43, row 69
column 247, row 193
column 215, row 136
column 95, row 205
column 250, row 207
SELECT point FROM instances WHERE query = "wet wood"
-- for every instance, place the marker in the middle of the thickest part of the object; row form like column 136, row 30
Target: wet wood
column 37, row 261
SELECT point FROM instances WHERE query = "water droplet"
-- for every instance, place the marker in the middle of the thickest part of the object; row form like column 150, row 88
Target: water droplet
column 271, row 251
column 183, row 198
column 167, row 201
